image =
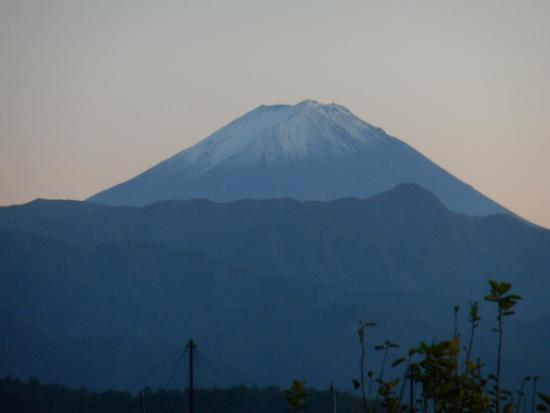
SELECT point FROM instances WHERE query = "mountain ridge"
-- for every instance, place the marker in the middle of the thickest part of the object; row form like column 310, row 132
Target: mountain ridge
column 122, row 303
column 403, row 240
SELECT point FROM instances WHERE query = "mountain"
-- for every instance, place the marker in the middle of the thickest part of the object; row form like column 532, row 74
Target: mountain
column 98, row 316
column 109, row 316
column 400, row 241
column 308, row 151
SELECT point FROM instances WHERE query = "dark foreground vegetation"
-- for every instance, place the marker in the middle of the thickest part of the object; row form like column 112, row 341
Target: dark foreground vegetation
column 446, row 376
column 436, row 377
column 34, row 397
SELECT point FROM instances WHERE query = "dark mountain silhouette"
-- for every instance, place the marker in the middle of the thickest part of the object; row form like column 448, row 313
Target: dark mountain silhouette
column 104, row 316
column 403, row 240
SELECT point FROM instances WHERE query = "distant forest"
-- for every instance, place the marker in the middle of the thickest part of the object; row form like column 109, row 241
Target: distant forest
column 17, row 396
column 451, row 379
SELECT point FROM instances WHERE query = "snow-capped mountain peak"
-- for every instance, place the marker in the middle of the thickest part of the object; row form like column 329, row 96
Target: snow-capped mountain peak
column 308, row 151
column 280, row 133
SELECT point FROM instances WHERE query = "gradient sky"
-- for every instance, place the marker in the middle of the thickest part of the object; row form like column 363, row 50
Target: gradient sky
column 94, row 92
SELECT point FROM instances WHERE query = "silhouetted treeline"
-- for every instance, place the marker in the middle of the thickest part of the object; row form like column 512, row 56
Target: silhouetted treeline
column 17, row 396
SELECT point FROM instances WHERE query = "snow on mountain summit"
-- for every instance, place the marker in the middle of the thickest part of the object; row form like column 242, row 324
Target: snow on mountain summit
column 307, row 151
column 280, row 133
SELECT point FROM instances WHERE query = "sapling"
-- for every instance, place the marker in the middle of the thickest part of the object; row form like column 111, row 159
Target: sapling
column 521, row 395
column 295, row 396
column 456, row 335
column 456, row 310
column 386, row 346
column 474, row 323
column 361, row 332
column 390, row 403
column 505, row 302
column 407, row 373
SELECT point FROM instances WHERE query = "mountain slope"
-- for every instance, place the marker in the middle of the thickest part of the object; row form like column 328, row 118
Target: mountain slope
column 403, row 240
column 307, row 151
column 104, row 317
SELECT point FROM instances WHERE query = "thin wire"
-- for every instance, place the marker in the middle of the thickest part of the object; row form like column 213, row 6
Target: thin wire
column 215, row 373
column 239, row 375
column 153, row 370
column 166, row 383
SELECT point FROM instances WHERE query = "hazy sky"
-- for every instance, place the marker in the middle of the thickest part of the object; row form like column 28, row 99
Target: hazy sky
column 94, row 92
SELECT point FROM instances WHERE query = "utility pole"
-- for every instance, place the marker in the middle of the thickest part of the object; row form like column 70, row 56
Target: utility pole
column 191, row 346
column 334, row 404
column 141, row 402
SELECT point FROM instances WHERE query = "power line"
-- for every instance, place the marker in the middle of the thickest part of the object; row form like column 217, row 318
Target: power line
column 154, row 370
column 165, row 383
column 215, row 373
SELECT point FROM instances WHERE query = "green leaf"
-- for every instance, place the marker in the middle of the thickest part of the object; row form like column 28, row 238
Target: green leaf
column 503, row 288
column 491, row 297
column 493, row 284
column 398, row 362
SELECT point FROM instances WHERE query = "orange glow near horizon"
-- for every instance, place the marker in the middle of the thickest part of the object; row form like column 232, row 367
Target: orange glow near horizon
column 93, row 93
